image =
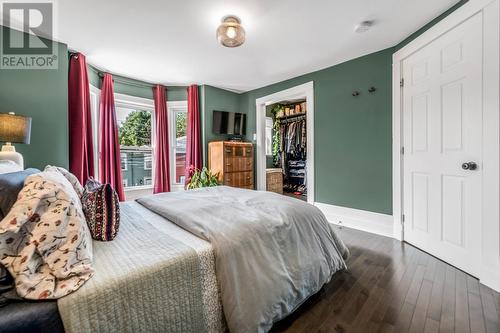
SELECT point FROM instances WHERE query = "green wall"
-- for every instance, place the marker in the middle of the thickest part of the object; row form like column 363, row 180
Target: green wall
column 352, row 134
column 43, row 95
column 215, row 99
column 353, row 144
column 123, row 85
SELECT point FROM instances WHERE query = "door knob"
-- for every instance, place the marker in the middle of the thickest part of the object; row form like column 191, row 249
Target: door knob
column 469, row 166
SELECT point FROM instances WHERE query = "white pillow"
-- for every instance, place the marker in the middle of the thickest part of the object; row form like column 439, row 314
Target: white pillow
column 8, row 166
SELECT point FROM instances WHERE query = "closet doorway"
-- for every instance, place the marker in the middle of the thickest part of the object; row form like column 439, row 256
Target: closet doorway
column 285, row 142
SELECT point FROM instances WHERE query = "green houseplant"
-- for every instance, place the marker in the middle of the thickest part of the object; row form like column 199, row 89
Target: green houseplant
column 202, row 178
column 276, row 133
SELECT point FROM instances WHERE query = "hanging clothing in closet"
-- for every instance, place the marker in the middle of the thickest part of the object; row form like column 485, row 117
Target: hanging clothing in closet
column 293, row 153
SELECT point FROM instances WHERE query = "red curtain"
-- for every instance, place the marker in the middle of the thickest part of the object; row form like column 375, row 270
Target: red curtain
column 110, row 169
column 81, row 152
column 161, row 153
column 193, row 149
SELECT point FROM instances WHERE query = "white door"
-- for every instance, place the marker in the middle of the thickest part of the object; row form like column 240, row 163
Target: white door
column 442, row 130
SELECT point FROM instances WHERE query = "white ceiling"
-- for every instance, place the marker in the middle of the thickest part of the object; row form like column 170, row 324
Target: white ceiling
column 173, row 42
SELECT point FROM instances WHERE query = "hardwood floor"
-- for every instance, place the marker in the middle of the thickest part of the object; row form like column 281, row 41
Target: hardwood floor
column 395, row 287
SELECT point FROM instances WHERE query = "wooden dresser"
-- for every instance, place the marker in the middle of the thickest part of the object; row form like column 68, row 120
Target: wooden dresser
column 233, row 161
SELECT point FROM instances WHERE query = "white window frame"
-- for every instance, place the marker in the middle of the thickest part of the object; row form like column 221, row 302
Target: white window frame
column 172, row 108
column 147, row 157
column 143, row 104
column 125, row 101
column 124, row 167
column 147, row 178
column 95, row 97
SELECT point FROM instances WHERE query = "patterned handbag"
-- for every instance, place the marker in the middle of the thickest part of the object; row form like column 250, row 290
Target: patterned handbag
column 102, row 210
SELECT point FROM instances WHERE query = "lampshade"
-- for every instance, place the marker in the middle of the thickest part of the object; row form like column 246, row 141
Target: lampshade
column 14, row 128
column 230, row 33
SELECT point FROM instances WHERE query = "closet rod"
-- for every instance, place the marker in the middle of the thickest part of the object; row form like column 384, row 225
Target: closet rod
column 292, row 118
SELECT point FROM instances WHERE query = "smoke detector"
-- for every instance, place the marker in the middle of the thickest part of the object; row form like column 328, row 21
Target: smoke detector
column 363, row 26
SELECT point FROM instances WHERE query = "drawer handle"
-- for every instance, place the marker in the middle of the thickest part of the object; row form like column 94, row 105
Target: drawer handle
column 228, row 150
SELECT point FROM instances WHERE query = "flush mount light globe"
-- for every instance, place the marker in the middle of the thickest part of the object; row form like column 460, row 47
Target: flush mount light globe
column 230, row 33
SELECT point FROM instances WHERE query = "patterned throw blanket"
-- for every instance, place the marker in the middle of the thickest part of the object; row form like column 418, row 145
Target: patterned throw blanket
column 144, row 281
column 44, row 239
column 272, row 252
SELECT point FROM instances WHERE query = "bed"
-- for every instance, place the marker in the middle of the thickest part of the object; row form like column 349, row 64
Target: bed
column 176, row 265
column 82, row 311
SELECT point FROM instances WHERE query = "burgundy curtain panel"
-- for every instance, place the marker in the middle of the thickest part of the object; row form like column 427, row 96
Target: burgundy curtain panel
column 193, row 149
column 110, row 169
column 81, row 152
column 161, row 154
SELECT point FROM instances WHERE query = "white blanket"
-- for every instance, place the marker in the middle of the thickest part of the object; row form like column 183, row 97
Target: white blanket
column 144, row 281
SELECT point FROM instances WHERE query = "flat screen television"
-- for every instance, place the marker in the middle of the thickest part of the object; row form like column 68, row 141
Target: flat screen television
column 230, row 123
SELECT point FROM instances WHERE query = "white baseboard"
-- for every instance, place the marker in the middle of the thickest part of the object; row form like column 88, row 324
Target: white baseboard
column 490, row 277
column 376, row 223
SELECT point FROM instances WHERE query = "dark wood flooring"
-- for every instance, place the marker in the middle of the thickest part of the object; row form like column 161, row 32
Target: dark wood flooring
column 394, row 287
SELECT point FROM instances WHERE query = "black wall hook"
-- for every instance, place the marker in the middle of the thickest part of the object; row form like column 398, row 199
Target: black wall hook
column 372, row 89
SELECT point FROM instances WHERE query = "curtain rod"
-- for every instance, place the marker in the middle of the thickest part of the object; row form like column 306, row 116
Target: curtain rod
column 130, row 82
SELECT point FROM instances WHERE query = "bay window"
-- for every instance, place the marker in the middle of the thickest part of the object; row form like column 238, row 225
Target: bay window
column 136, row 134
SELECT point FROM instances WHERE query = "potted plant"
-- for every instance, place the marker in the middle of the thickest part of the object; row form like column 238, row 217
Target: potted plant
column 201, row 178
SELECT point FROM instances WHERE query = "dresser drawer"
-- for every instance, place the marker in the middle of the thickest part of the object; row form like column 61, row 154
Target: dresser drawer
column 236, row 164
column 238, row 150
column 239, row 179
column 246, row 178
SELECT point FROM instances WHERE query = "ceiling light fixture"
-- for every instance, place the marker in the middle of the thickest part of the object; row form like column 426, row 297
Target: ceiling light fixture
column 230, row 33
column 363, row 26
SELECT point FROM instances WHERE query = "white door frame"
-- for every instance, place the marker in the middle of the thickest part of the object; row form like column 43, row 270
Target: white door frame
column 490, row 224
column 306, row 91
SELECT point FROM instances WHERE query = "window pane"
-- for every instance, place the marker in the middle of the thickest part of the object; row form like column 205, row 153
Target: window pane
column 180, row 146
column 148, row 162
column 134, row 133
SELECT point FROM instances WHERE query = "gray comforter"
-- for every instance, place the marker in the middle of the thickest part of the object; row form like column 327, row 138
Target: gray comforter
column 272, row 252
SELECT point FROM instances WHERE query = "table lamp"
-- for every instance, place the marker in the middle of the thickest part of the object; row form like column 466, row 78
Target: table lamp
column 14, row 129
